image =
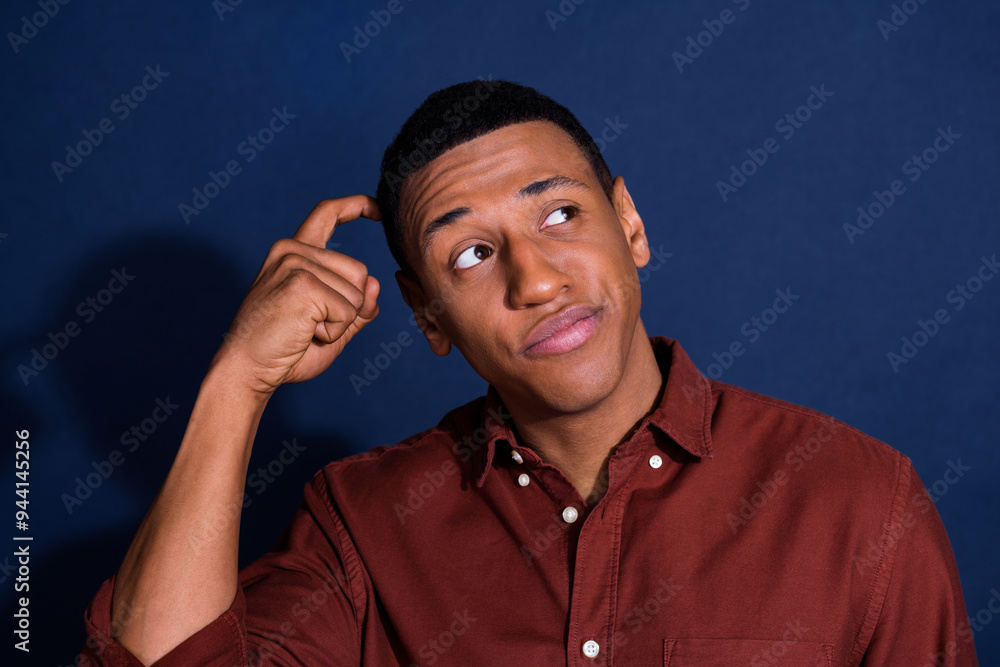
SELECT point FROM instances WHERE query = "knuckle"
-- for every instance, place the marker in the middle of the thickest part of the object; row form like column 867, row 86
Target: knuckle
column 290, row 262
column 279, row 248
column 300, row 277
column 355, row 296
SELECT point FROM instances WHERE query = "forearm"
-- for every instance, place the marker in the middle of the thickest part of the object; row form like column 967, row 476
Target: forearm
column 180, row 572
column 306, row 303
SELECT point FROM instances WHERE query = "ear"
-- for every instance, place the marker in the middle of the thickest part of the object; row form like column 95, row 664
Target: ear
column 424, row 313
column 635, row 231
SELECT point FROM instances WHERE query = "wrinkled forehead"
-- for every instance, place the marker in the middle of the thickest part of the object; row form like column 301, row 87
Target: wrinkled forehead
column 495, row 164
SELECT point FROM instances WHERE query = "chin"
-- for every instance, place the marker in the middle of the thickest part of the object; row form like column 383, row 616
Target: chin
column 576, row 386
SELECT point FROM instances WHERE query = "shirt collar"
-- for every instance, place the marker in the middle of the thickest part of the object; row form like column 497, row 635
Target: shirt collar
column 684, row 412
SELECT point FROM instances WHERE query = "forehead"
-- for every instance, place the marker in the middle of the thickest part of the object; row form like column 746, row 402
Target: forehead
column 489, row 168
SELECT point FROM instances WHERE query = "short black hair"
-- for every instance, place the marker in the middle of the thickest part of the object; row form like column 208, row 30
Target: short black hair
column 455, row 115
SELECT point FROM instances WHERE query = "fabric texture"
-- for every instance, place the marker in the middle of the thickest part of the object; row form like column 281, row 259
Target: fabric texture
column 735, row 529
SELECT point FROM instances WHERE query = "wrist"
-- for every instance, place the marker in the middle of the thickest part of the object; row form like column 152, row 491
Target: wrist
column 228, row 376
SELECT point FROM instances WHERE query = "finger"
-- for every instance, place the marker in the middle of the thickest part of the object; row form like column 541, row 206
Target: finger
column 344, row 265
column 367, row 313
column 333, row 315
column 369, row 308
column 292, row 267
column 318, row 227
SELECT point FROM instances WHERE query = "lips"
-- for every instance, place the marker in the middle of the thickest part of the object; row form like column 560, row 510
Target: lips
column 562, row 331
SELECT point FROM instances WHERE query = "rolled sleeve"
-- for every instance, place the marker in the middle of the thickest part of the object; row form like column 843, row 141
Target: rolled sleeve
column 221, row 642
column 294, row 606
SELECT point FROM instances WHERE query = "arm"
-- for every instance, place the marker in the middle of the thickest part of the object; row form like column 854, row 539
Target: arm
column 303, row 603
column 306, row 303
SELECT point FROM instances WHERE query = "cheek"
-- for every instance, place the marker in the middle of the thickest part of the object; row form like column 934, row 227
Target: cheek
column 613, row 266
column 480, row 328
column 469, row 322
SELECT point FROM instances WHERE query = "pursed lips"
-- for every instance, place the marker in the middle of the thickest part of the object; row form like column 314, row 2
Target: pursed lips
column 557, row 323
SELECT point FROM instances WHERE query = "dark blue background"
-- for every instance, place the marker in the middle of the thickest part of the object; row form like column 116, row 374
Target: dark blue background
column 679, row 134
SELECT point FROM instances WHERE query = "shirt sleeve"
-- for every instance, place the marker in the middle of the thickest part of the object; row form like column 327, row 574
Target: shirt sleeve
column 923, row 618
column 300, row 604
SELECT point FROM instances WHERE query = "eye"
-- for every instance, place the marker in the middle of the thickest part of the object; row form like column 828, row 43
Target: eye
column 560, row 215
column 472, row 256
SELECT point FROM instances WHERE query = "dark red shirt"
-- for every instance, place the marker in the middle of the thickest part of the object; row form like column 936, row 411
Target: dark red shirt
column 736, row 530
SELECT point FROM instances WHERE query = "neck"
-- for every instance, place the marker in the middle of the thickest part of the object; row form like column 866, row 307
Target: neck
column 581, row 443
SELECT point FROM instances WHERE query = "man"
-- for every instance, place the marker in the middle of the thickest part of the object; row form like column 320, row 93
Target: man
column 603, row 504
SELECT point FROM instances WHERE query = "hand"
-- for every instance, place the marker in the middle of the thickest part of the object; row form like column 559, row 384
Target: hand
column 305, row 304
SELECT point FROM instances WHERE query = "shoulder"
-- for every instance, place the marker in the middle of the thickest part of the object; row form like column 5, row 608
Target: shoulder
column 820, row 450
column 429, row 456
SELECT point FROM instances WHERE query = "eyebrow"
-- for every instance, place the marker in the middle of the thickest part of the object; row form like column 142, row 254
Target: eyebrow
column 530, row 190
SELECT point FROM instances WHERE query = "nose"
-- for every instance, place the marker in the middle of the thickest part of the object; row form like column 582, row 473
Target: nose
column 534, row 276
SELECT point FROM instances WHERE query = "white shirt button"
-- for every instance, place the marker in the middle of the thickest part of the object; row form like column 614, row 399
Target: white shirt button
column 569, row 516
column 516, row 457
column 655, row 461
column 591, row 649
column 523, row 479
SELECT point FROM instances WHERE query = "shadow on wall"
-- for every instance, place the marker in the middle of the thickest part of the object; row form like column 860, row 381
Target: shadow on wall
column 140, row 320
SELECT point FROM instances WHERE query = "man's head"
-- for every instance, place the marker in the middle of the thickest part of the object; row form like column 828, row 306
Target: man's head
column 454, row 115
column 515, row 244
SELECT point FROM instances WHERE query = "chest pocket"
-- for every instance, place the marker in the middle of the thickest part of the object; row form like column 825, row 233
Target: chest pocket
column 749, row 652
